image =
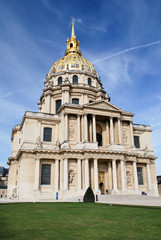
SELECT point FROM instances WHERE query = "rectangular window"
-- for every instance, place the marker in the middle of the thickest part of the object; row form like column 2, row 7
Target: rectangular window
column 47, row 134
column 136, row 141
column 75, row 101
column 45, row 174
column 140, row 175
column 58, row 105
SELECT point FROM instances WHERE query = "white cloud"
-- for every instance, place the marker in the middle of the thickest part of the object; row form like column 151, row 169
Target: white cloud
column 52, row 8
column 126, row 51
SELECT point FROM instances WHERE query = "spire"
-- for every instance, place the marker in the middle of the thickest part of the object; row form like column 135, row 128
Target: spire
column 72, row 44
column 73, row 34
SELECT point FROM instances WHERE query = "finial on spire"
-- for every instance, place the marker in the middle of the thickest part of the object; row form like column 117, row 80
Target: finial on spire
column 73, row 34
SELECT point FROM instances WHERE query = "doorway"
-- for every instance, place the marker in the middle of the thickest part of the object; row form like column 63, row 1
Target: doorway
column 101, row 182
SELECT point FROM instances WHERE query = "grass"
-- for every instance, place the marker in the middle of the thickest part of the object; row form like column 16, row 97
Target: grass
column 41, row 221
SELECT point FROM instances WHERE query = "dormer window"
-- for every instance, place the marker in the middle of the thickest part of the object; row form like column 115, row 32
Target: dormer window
column 89, row 81
column 75, row 101
column 75, row 79
column 59, row 80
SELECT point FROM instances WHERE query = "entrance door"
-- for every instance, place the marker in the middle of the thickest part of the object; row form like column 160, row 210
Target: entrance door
column 101, row 182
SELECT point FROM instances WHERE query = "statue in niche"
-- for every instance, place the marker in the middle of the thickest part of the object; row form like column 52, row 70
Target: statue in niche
column 125, row 136
column 38, row 143
column 50, row 84
column 71, row 177
column 128, row 178
column 57, row 144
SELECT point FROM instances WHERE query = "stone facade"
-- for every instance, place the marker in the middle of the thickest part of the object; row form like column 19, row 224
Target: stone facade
column 79, row 139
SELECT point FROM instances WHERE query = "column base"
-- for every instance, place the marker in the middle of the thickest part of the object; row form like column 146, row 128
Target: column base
column 89, row 145
column 118, row 147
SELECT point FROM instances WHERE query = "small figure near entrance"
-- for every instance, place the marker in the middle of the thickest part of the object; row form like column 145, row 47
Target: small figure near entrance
column 101, row 187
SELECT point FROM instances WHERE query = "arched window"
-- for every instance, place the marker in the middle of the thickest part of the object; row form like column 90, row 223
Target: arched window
column 75, row 79
column 71, row 45
column 75, row 101
column 59, row 80
column 58, row 105
column 47, row 135
column 45, row 174
column 89, row 81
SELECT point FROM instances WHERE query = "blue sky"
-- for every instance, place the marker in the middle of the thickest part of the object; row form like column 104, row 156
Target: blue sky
column 121, row 38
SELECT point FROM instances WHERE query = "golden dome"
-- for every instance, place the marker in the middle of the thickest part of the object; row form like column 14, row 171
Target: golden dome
column 73, row 60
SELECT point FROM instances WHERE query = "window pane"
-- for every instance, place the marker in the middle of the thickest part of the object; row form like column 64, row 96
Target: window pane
column 75, row 79
column 89, row 81
column 136, row 142
column 47, row 134
column 140, row 175
column 45, row 174
column 59, row 80
column 58, row 105
column 75, row 101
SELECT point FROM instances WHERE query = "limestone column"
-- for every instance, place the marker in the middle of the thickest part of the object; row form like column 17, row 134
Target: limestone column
column 94, row 127
column 107, row 131
column 122, row 175
column 132, row 135
column 78, row 127
column 63, row 97
column 114, row 175
column 66, row 127
column 65, row 174
column 79, row 174
column 149, row 177
column 56, row 174
column 61, row 177
column 37, row 174
column 109, row 175
column 48, row 107
column 119, row 131
column 95, row 174
column 135, row 176
column 111, row 131
column 85, row 128
column 86, row 163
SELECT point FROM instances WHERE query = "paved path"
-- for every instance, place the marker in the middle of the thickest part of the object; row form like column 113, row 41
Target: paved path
column 108, row 199
column 131, row 200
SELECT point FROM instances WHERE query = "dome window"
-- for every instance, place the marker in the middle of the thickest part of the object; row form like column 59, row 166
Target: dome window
column 59, row 80
column 75, row 79
column 89, row 81
column 75, row 101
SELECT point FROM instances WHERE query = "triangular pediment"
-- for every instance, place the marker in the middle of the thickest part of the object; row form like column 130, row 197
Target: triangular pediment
column 103, row 105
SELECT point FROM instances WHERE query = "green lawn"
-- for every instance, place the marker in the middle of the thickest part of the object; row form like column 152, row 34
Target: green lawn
column 78, row 221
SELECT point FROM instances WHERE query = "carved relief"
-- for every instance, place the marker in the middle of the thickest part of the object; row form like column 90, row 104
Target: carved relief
column 125, row 134
column 72, row 128
column 129, row 175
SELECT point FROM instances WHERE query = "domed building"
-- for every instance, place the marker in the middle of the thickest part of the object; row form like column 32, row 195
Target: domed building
column 79, row 139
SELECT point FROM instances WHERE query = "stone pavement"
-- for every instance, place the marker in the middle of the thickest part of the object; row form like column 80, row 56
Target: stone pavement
column 130, row 199
column 108, row 199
